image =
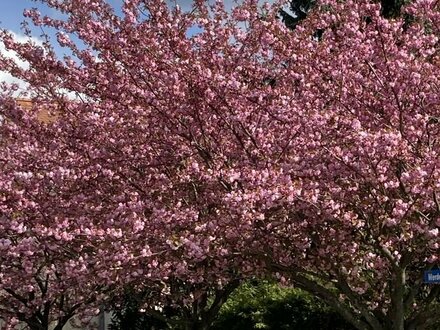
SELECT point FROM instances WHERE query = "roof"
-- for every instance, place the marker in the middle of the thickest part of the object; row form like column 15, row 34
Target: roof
column 43, row 115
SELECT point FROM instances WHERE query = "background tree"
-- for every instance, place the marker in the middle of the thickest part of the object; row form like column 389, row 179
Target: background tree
column 266, row 305
column 300, row 8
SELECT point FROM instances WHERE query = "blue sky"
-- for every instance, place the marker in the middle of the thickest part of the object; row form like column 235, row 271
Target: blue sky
column 11, row 17
column 11, row 12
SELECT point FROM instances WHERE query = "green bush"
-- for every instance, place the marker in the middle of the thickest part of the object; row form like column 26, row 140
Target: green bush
column 263, row 305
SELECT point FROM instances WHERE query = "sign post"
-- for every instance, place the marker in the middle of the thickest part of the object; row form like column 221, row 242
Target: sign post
column 432, row 276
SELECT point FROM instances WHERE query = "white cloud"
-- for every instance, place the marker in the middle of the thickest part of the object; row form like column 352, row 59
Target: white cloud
column 6, row 77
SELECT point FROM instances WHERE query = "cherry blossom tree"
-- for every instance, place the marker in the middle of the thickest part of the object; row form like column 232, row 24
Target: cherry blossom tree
column 210, row 145
column 106, row 192
column 357, row 220
column 50, row 245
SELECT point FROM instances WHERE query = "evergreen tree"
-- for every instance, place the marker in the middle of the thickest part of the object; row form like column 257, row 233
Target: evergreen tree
column 300, row 8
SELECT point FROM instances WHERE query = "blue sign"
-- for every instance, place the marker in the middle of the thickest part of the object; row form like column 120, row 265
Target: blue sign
column 432, row 276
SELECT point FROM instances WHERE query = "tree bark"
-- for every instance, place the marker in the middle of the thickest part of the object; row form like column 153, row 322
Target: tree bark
column 397, row 299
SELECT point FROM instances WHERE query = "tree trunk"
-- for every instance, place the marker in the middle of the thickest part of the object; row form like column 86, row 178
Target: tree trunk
column 197, row 325
column 398, row 300
column 59, row 326
column 35, row 324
